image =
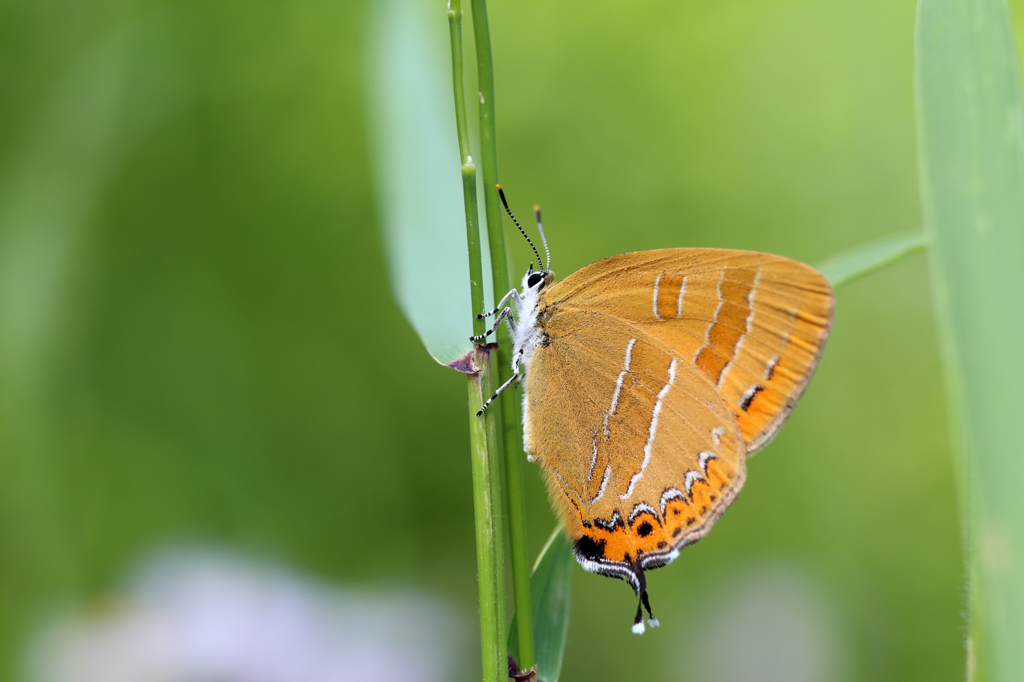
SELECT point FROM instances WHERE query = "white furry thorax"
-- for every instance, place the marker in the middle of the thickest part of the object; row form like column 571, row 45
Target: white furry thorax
column 528, row 335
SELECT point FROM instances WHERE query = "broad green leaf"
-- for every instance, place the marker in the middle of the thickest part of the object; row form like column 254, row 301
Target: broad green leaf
column 971, row 154
column 871, row 257
column 549, row 592
column 419, row 185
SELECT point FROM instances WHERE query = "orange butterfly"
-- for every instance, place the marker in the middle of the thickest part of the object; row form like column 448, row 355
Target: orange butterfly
column 652, row 377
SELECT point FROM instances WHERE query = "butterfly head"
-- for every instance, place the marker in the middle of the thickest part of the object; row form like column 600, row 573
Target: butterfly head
column 535, row 282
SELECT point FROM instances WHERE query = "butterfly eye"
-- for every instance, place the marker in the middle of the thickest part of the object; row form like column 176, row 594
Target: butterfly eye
column 534, row 280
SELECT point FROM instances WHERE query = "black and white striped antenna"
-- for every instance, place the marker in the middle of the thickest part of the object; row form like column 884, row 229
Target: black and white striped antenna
column 521, row 230
column 540, row 228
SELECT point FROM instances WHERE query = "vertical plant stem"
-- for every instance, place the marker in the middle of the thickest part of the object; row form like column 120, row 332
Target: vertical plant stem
column 488, row 564
column 510, row 415
column 493, row 419
column 516, row 509
column 484, row 442
column 476, row 286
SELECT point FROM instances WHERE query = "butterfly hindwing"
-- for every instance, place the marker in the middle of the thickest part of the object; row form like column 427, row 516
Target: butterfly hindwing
column 640, row 452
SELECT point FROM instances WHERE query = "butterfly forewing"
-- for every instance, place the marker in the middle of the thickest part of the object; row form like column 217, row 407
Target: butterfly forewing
column 754, row 324
column 641, row 452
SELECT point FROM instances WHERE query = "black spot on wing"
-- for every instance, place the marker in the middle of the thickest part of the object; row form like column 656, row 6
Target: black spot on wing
column 588, row 549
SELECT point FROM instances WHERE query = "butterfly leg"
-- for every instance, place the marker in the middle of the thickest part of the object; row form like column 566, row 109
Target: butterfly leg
column 516, row 359
column 501, row 388
column 515, row 296
column 505, row 315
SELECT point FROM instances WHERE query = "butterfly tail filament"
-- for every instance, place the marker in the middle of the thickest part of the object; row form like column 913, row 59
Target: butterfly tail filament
column 638, row 622
column 642, row 603
column 651, row 620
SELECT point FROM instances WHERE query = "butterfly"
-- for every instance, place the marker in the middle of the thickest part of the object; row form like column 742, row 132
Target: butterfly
column 648, row 379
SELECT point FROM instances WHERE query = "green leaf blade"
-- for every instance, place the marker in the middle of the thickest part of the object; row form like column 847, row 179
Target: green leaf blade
column 971, row 152
column 872, row 257
column 419, row 183
column 549, row 596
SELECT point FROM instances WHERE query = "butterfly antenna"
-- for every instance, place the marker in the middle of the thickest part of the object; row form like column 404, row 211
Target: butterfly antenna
column 509, row 211
column 540, row 228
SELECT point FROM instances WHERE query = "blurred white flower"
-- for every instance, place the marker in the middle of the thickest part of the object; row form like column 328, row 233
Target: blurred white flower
column 202, row 616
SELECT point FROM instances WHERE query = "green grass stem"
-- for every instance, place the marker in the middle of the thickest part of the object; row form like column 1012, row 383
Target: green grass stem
column 488, row 532
column 512, row 451
column 476, row 285
column 484, row 440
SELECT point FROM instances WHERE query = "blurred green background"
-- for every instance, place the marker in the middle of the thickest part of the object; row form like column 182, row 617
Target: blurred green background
column 198, row 340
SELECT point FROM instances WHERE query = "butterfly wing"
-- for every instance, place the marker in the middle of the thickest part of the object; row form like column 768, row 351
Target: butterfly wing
column 753, row 323
column 640, row 452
